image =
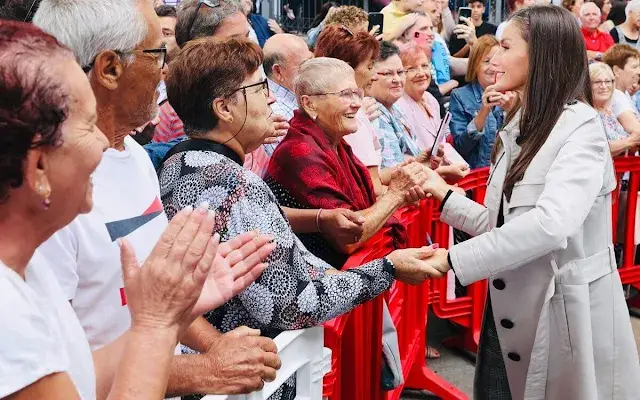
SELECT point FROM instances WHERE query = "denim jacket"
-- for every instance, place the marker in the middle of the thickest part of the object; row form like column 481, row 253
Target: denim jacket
column 475, row 146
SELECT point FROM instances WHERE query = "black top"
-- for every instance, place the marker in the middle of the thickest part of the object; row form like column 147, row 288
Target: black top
column 456, row 44
column 616, row 37
column 617, row 14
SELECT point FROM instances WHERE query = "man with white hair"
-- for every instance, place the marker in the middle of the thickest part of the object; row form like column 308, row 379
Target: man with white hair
column 596, row 41
column 283, row 55
column 120, row 46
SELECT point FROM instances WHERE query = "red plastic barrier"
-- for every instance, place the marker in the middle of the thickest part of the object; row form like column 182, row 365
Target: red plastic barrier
column 629, row 270
column 355, row 339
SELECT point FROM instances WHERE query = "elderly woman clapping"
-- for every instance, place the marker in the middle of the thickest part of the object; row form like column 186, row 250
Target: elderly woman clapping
column 49, row 148
column 315, row 168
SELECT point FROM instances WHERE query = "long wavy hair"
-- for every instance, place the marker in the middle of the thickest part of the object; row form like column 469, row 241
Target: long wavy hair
column 558, row 75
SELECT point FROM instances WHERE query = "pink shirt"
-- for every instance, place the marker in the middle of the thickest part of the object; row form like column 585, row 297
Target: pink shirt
column 425, row 128
column 364, row 142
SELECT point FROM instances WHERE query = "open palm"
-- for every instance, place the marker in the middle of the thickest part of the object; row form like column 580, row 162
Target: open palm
column 238, row 263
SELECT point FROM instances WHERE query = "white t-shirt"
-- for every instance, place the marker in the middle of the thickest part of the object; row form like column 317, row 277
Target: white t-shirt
column 621, row 102
column 87, row 264
column 40, row 334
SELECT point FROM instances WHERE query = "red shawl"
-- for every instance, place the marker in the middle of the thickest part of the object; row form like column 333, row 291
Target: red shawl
column 316, row 175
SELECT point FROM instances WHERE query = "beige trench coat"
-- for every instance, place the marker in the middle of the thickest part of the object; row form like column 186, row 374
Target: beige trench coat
column 558, row 303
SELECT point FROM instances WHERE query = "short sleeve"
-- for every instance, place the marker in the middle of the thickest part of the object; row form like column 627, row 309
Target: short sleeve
column 620, row 103
column 28, row 348
column 60, row 253
column 362, row 142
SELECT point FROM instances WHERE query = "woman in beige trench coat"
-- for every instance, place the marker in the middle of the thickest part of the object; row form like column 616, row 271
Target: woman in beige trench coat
column 556, row 316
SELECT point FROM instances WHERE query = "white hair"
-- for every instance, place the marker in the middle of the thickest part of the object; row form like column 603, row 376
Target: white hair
column 585, row 7
column 317, row 75
column 632, row 6
column 89, row 27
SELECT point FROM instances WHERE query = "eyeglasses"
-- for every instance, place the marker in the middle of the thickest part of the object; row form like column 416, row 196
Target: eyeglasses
column 26, row 17
column 160, row 51
column 420, row 68
column 208, row 3
column 606, row 83
column 390, row 74
column 264, row 87
column 347, row 96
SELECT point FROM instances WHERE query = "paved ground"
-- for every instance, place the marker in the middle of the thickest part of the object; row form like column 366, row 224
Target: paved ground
column 458, row 368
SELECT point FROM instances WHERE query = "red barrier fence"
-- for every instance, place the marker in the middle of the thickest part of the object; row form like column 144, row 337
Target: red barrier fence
column 356, row 338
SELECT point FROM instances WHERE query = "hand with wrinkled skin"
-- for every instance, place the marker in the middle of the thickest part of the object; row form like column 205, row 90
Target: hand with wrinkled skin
column 412, row 266
column 405, row 178
column 279, row 129
column 371, row 108
column 341, row 226
column 241, row 362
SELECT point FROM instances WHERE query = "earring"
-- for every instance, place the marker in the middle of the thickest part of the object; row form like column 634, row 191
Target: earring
column 44, row 190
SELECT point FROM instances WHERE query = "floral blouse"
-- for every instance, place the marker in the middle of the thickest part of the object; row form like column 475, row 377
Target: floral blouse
column 612, row 127
column 294, row 291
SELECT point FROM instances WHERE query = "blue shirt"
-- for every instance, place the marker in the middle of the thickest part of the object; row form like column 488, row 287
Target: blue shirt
column 440, row 62
column 395, row 140
column 473, row 144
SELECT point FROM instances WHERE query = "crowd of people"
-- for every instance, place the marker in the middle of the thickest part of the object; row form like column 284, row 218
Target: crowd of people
column 179, row 185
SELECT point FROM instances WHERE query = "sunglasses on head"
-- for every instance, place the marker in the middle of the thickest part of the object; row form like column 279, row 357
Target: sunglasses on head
column 208, row 3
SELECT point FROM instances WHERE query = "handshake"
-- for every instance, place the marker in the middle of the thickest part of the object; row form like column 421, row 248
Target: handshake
column 415, row 181
column 414, row 266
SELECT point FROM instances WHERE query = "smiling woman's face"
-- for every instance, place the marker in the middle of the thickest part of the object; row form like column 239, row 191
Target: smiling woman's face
column 511, row 62
column 418, row 76
column 391, row 79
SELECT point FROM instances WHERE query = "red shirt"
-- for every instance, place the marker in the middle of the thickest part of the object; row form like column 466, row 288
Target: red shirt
column 170, row 126
column 597, row 40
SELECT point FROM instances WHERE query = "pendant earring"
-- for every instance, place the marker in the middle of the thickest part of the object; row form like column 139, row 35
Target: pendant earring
column 44, row 190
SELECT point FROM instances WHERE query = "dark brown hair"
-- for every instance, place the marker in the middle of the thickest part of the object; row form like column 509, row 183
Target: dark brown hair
column 32, row 102
column 479, row 51
column 207, row 69
column 558, row 75
column 353, row 48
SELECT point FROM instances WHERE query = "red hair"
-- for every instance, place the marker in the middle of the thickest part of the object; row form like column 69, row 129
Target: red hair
column 339, row 42
column 410, row 54
column 32, row 101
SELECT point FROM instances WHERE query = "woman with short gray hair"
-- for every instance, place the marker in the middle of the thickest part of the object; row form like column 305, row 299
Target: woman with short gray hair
column 314, row 167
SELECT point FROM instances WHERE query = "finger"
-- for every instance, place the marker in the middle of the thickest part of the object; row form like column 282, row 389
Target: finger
column 267, row 345
column 272, row 360
column 202, row 239
column 130, row 265
column 242, row 282
column 243, row 331
column 188, row 233
column 236, row 242
column 353, row 217
column 420, row 192
column 425, row 252
column 168, row 237
column 432, row 272
column 205, row 263
column 249, row 249
column 246, row 260
column 281, row 125
column 268, row 374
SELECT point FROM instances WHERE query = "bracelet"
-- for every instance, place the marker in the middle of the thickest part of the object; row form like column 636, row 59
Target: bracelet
column 318, row 220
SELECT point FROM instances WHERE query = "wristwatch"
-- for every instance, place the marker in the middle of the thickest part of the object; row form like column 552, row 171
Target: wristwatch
column 598, row 56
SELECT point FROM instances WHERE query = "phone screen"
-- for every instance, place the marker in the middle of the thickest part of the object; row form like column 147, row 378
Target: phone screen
column 376, row 18
column 463, row 12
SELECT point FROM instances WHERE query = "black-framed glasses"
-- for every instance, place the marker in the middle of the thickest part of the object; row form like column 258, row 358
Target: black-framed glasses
column 161, row 53
column 264, row 86
column 346, row 96
column 208, row 3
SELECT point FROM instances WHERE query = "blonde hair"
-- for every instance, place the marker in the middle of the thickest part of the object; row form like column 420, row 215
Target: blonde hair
column 598, row 69
column 350, row 16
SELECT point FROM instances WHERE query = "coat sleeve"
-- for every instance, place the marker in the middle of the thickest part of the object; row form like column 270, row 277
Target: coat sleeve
column 465, row 214
column 570, row 189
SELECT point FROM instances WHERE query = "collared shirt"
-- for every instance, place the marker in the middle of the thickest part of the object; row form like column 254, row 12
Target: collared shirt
column 597, row 40
column 397, row 143
column 364, row 142
column 170, row 126
column 285, row 105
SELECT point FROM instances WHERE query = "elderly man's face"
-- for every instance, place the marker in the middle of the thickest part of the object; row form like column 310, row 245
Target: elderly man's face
column 137, row 105
column 294, row 59
column 590, row 16
column 236, row 26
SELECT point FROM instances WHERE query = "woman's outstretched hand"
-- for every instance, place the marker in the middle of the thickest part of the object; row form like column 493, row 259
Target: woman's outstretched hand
column 178, row 281
column 412, row 265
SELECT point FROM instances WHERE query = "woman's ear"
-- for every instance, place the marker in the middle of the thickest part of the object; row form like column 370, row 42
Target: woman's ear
column 35, row 172
column 309, row 107
column 107, row 69
column 222, row 110
column 616, row 71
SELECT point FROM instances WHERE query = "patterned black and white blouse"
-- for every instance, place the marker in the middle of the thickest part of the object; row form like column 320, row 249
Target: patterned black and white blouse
column 294, row 291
